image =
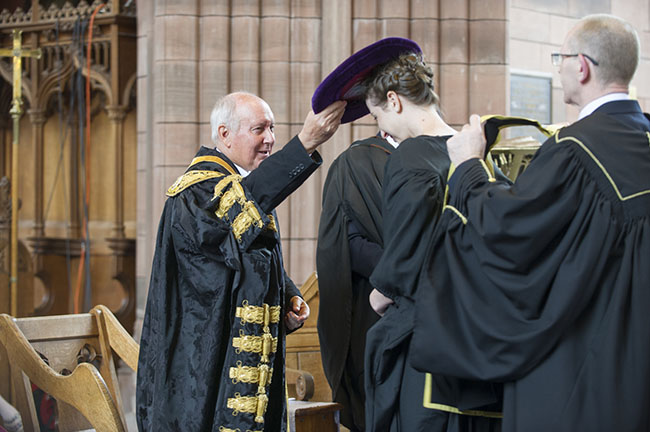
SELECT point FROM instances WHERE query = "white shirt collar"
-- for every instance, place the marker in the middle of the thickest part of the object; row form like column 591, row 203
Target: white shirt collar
column 596, row 103
column 391, row 141
column 241, row 170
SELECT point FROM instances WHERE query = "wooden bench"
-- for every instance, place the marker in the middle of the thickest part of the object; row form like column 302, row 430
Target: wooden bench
column 69, row 357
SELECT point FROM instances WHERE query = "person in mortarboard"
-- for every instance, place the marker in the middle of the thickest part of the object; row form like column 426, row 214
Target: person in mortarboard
column 390, row 80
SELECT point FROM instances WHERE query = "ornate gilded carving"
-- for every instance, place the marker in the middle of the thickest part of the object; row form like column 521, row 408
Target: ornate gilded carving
column 17, row 17
column 512, row 156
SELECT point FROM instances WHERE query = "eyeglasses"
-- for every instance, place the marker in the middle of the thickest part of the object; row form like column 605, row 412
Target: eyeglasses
column 556, row 58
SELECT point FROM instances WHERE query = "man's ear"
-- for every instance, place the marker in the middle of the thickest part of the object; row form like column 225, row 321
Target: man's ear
column 224, row 133
column 394, row 101
column 585, row 71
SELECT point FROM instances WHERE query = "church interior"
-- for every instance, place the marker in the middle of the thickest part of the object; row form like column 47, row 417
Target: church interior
column 115, row 98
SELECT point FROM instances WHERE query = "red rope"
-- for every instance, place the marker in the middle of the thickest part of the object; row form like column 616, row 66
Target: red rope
column 82, row 261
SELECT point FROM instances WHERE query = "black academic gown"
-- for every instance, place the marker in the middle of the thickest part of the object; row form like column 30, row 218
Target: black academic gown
column 545, row 285
column 352, row 192
column 212, row 347
column 414, row 184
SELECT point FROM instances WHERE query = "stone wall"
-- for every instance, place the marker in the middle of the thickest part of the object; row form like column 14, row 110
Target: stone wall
column 538, row 27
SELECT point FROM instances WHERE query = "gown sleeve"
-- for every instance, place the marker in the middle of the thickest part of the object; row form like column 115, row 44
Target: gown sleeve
column 507, row 273
column 411, row 204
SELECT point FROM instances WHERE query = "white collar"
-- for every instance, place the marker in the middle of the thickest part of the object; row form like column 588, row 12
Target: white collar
column 596, row 103
column 392, row 141
column 241, row 170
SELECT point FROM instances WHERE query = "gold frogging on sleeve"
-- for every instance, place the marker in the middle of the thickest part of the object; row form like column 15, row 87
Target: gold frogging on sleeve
column 223, row 183
column 271, row 225
column 225, row 203
column 190, row 178
column 225, row 429
column 248, row 216
column 228, row 198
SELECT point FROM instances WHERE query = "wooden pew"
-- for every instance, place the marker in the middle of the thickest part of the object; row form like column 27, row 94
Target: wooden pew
column 312, row 411
column 89, row 397
column 80, row 368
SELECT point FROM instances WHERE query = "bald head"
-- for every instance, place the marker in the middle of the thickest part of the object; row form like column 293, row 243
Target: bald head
column 612, row 42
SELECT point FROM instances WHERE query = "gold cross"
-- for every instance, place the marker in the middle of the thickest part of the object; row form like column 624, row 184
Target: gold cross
column 17, row 53
column 16, row 111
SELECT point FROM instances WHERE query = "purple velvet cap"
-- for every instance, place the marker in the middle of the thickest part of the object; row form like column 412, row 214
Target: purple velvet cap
column 342, row 83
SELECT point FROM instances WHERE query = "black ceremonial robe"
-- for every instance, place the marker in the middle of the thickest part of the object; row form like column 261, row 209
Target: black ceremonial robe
column 545, row 285
column 212, row 348
column 352, row 192
column 413, row 191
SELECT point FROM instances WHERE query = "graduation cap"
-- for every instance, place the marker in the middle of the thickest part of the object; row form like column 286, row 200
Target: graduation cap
column 343, row 83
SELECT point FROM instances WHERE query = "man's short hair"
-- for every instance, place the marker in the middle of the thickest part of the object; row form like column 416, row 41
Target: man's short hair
column 612, row 42
column 225, row 113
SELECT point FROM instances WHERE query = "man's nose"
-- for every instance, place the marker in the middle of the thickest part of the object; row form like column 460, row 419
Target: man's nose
column 269, row 136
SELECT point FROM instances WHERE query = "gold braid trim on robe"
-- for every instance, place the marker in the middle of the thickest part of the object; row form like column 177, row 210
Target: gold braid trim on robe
column 196, row 176
column 250, row 405
column 260, row 375
column 258, row 314
column 190, row 178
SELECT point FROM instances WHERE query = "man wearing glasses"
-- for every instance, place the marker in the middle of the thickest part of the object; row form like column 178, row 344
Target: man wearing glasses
column 545, row 285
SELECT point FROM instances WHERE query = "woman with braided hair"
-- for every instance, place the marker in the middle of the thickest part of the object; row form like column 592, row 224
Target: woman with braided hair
column 390, row 80
column 401, row 98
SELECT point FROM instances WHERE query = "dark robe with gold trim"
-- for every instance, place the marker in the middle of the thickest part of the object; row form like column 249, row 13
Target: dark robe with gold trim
column 212, row 347
column 545, row 285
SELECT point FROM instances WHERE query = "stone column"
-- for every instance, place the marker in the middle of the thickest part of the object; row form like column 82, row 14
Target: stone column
column 116, row 115
column 489, row 72
column 245, row 46
column 168, row 105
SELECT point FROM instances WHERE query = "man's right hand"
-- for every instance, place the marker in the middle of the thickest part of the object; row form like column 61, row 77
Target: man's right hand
column 469, row 143
column 318, row 128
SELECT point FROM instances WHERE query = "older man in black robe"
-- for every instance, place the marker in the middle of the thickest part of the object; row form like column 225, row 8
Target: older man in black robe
column 545, row 285
column 220, row 302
